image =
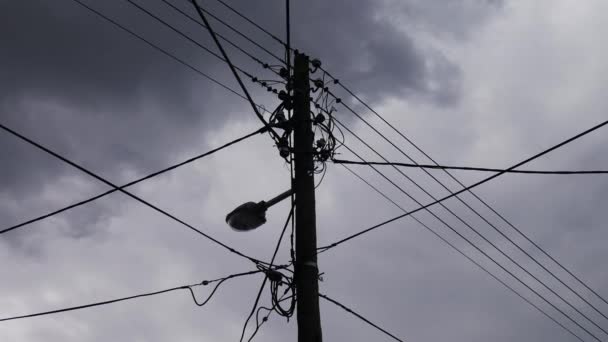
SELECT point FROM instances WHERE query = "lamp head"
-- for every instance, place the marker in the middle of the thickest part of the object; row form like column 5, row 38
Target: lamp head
column 247, row 216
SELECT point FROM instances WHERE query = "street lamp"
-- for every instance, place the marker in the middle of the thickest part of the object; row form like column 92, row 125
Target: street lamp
column 250, row 215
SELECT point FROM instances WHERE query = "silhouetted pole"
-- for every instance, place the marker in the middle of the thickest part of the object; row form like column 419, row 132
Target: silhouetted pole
column 306, row 270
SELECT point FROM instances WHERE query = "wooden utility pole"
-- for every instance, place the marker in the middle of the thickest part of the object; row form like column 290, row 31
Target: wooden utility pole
column 306, row 270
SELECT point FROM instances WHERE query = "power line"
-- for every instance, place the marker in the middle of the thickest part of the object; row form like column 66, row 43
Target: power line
column 526, row 253
column 106, row 302
column 229, row 62
column 468, row 168
column 157, row 173
column 161, row 50
column 249, row 39
column 495, row 246
column 470, row 187
column 252, row 22
column 504, row 219
column 360, row 317
column 462, row 253
column 485, row 180
column 224, row 59
column 323, row 249
column 117, row 188
column 236, row 46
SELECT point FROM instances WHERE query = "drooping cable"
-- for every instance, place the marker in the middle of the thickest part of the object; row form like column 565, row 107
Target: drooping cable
column 267, row 272
column 469, row 168
column 106, row 302
column 444, row 240
column 229, row 62
column 155, row 174
column 118, row 188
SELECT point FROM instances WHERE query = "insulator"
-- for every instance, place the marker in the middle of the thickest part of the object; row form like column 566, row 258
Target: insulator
column 338, row 100
column 324, row 155
column 283, row 73
column 284, row 151
column 264, row 84
column 318, row 83
column 316, row 63
column 269, row 88
column 319, row 118
column 321, row 143
column 275, row 91
column 283, row 146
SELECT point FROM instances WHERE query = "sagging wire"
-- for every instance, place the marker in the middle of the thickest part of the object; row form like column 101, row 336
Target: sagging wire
column 277, row 280
column 219, row 282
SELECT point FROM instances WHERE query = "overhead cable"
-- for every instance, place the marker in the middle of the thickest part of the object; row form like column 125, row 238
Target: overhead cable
column 118, row 188
column 444, row 240
column 157, row 173
column 469, row 168
column 116, row 300
column 490, row 257
column 483, row 181
column 503, row 218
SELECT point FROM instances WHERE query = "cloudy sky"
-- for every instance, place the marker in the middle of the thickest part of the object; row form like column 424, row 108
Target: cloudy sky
column 472, row 82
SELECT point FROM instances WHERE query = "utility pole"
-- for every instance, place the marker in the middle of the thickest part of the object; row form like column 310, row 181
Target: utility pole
column 306, row 270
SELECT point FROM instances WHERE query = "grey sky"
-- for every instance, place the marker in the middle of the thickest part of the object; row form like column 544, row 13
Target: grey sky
column 473, row 82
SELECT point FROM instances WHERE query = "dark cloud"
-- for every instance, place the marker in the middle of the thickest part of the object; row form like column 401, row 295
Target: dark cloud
column 94, row 93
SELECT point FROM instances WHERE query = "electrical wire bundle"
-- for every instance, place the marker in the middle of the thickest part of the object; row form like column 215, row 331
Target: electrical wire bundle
column 324, row 122
column 277, row 280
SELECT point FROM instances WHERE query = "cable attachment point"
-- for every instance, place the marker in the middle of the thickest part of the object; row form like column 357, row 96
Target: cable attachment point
column 321, row 143
column 287, row 102
column 274, row 276
column 284, row 73
column 320, row 118
column 316, row 64
column 283, row 145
